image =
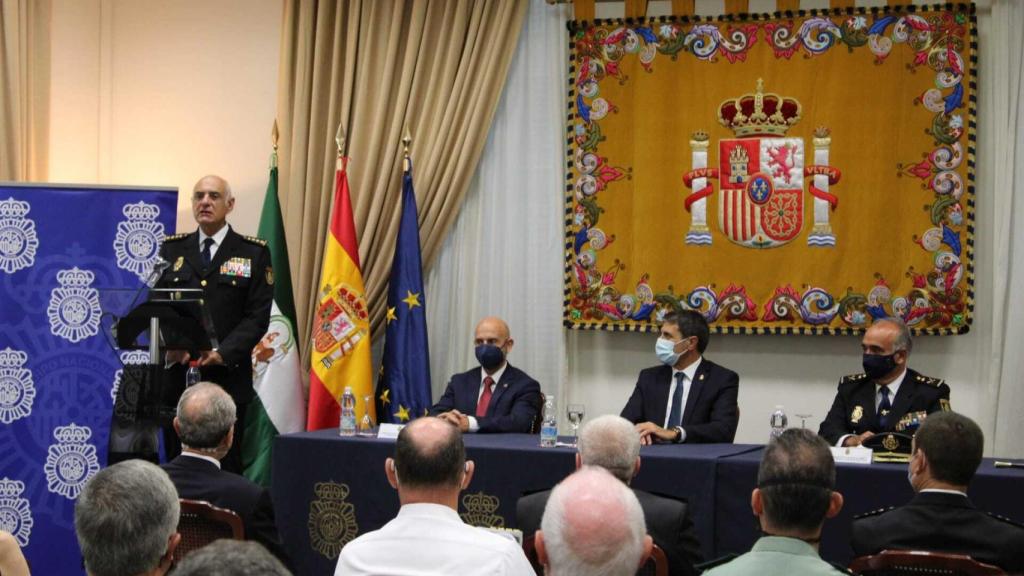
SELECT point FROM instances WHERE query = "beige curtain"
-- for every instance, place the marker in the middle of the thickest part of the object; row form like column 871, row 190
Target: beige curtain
column 379, row 67
column 24, row 89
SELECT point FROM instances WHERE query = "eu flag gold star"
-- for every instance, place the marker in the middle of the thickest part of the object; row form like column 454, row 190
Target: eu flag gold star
column 412, row 300
column 391, row 314
column 402, row 414
column 384, row 400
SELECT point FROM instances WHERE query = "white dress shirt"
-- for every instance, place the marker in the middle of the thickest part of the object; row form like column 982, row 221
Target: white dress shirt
column 431, row 539
column 209, row 459
column 218, row 239
column 688, row 373
column 474, row 426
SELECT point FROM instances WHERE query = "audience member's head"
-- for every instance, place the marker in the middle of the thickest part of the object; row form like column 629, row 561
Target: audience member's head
column 126, row 520
column 592, row 524
column 612, row 443
column 205, row 419
column 430, row 463
column 795, row 486
column 946, row 452
column 231, row 558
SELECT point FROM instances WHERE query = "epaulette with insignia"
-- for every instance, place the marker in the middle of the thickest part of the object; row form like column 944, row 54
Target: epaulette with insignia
column 936, row 382
column 854, row 377
column 1007, row 520
column 174, row 237
column 256, row 240
column 874, row 513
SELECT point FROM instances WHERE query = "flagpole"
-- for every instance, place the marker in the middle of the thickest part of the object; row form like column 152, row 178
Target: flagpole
column 406, row 141
column 274, row 135
column 339, row 139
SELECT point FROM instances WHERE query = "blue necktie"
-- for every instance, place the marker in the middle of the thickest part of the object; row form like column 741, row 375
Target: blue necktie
column 207, row 256
column 884, row 407
column 675, row 416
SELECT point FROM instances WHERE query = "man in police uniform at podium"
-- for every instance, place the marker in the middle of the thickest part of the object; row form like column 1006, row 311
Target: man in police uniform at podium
column 888, row 396
column 235, row 274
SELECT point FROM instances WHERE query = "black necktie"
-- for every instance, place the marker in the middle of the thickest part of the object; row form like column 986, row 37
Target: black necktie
column 207, row 256
column 884, row 407
column 675, row 416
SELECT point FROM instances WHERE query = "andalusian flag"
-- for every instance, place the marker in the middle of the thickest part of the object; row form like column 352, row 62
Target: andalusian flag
column 277, row 374
column 341, row 326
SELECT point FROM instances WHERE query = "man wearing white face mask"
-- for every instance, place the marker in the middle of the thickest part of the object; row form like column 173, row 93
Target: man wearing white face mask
column 688, row 398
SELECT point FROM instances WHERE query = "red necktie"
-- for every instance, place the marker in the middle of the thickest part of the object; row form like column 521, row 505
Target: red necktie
column 485, row 398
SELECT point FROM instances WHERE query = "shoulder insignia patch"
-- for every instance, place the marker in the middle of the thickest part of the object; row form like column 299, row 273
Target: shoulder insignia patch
column 255, row 240
column 1006, row 520
column 174, row 237
column 854, row 377
column 874, row 513
column 936, row 382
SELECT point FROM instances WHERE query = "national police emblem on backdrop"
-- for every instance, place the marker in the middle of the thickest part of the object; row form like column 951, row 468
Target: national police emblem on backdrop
column 71, row 259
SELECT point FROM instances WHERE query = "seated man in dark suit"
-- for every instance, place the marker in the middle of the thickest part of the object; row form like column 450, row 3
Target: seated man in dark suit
column 888, row 396
column 688, row 398
column 204, row 422
column 946, row 453
column 613, row 444
column 497, row 397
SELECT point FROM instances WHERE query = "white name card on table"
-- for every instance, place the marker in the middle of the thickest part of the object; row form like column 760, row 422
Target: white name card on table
column 390, row 431
column 851, row 454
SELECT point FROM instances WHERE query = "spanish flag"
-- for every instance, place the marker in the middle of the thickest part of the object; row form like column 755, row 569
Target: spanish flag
column 341, row 327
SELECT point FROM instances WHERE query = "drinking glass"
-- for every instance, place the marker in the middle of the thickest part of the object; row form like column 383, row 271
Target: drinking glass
column 366, row 424
column 575, row 413
column 803, row 418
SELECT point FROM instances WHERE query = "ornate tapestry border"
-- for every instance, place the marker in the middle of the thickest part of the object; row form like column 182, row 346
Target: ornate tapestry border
column 651, row 324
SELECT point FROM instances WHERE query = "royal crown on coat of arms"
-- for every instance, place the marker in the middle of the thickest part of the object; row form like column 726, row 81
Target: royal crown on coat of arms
column 761, row 171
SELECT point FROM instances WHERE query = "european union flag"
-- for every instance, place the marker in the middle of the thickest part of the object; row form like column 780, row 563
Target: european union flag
column 403, row 392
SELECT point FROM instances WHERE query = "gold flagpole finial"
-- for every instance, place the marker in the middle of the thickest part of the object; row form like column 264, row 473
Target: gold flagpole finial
column 339, row 139
column 406, row 141
column 274, row 136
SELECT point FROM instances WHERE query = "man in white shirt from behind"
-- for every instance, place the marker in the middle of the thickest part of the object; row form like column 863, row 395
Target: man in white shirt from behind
column 429, row 471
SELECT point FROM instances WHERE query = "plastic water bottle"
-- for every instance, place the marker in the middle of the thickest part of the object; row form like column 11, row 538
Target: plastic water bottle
column 193, row 376
column 347, row 425
column 549, row 425
column 778, row 422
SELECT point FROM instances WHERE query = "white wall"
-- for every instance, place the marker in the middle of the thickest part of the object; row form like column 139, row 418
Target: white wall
column 160, row 93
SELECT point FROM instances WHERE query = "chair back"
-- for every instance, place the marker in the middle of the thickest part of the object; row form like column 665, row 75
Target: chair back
column 909, row 562
column 656, row 564
column 539, row 418
column 201, row 523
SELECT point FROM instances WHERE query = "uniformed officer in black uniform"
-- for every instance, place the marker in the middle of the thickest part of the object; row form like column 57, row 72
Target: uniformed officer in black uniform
column 235, row 274
column 888, row 396
column 947, row 451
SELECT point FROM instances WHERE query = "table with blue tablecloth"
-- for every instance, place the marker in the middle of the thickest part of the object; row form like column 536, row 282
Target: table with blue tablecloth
column 328, row 489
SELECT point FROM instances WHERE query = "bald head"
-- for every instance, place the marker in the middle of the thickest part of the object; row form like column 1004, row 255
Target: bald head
column 593, row 524
column 492, row 330
column 211, row 203
column 429, row 454
column 205, row 416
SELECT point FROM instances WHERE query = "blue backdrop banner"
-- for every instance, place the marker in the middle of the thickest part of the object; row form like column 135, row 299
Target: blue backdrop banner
column 63, row 250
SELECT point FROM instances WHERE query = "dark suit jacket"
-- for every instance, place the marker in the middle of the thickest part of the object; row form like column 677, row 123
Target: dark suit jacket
column 514, row 402
column 197, row 479
column 917, row 393
column 711, row 413
column 667, row 519
column 940, row 522
column 239, row 305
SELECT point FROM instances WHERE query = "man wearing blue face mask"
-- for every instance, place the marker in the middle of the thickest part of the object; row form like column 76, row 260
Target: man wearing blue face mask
column 496, row 397
column 688, row 398
column 888, row 396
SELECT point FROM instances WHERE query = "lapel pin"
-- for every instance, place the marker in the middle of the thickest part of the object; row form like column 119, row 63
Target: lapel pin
column 701, row 377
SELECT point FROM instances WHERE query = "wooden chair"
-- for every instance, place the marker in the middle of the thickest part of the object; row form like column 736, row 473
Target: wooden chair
column 656, row 565
column 201, row 523
column 908, row 562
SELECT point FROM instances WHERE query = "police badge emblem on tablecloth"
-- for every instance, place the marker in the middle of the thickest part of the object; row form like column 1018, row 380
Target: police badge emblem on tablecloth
column 480, row 510
column 138, row 239
column 332, row 520
column 15, row 513
column 18, row 240
column 17, row 391
column 71, row 461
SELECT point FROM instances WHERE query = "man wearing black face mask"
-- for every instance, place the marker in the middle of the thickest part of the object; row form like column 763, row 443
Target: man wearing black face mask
column 888, row 395
column 496, row 397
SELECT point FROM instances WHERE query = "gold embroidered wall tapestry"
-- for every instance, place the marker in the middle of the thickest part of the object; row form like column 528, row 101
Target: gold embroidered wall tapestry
column 790, row 173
